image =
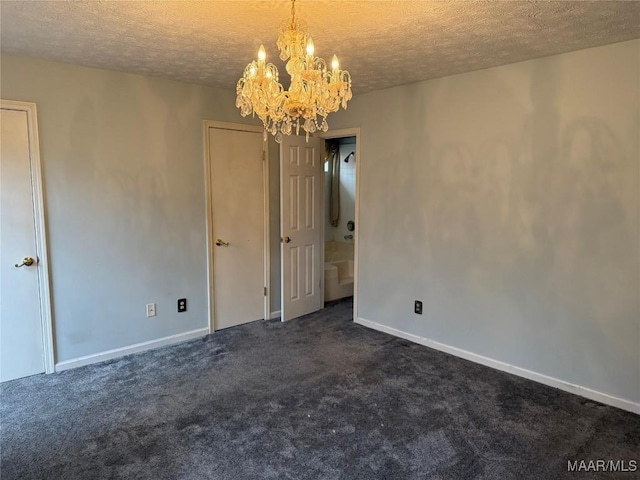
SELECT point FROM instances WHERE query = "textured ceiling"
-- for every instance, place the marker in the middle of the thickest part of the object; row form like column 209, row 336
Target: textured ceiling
column 382, row 43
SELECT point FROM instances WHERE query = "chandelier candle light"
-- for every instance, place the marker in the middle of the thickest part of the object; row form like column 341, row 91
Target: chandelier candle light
column 315, row 90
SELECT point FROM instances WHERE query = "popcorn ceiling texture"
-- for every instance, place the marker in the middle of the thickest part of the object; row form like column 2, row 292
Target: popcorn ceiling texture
column 382, row 43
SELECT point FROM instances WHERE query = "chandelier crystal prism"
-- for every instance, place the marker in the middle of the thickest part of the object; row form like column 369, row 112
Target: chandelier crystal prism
column 315, row 90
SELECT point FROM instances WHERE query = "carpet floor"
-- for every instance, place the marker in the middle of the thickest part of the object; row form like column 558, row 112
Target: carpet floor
column 316, row 398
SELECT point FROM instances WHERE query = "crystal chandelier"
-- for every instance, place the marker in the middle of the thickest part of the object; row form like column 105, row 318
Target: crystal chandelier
column 314, row 92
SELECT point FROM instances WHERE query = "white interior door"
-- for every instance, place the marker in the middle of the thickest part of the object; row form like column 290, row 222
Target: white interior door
column 21, row 334
column 238, row 229
column 301, row 216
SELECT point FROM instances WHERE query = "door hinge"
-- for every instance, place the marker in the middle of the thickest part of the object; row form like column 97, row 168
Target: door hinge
column 265, row 291
column 264, row 156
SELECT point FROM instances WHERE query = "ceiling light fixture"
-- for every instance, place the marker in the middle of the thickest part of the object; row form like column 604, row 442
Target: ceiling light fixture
column 314, row 92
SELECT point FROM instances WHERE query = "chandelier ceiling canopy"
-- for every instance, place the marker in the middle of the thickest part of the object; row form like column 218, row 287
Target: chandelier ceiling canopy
column 315, row 89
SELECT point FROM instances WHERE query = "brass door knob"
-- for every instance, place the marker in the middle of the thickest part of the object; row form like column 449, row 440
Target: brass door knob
column 286, row 239
column 26, row 262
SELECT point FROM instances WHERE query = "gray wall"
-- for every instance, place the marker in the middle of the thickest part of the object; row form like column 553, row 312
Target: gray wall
column 123, row 170
column 507, row 200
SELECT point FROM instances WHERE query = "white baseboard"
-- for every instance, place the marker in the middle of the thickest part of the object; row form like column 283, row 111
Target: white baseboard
column 505, row 367
column 138, row 347
column 275, row 314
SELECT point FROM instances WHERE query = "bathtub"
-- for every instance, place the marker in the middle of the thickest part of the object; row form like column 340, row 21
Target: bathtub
column 334, row 251
column 338, row 279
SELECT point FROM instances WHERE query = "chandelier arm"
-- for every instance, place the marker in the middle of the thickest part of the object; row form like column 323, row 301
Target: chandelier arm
column 314, row 91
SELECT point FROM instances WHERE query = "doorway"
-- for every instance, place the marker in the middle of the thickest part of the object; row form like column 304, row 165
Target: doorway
column 302, row 207
column 342, row 208
column 236, row 167
column 26, row 337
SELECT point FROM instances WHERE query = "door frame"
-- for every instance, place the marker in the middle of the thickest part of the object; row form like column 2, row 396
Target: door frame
column 42, row 249
column 351, row 132
column 208, row 124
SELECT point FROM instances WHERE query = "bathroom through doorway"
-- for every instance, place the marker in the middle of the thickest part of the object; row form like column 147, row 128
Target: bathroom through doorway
column 341, row 162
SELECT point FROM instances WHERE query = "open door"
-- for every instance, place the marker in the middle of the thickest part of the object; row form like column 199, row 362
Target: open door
column 301, row 217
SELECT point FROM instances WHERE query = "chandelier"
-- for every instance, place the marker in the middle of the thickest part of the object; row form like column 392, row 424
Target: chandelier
column 314, row 92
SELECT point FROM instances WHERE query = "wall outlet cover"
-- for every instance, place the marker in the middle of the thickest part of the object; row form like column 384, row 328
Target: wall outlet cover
column 182, row 305
column 417, row 307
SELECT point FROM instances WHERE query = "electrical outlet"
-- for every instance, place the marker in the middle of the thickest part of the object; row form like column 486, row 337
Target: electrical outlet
column 417, row 307
column 182, row 305
column 151, row 309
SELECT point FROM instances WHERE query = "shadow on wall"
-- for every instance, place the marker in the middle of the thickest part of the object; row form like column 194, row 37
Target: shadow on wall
column 142, row 198
column 539, row 223
column 401, row 181
column 129, row 194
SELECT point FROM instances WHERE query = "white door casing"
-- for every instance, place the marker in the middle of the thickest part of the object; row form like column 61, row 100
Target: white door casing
column 26, row 343
column 237, row 224
column 301, row 225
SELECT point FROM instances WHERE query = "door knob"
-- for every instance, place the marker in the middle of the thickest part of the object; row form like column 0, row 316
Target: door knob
column 26, row 262
column 286, row 239
column 221, row 243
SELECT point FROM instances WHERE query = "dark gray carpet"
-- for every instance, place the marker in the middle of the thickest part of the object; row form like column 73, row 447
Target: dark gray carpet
column 315, row 398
